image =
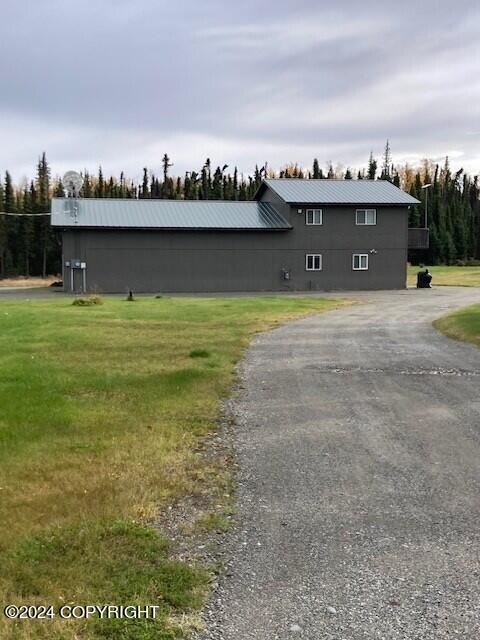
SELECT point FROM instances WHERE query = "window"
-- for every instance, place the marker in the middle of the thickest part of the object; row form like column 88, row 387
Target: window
column 313, row 216
column 313, row 262
column 360, row 261
column 366, row 216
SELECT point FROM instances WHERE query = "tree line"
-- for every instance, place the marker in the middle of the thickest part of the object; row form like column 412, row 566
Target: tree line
column 29, row 246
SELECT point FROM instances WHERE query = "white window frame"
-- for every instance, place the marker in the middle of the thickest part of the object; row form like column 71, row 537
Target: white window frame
column 313, row 256
column 313, row 212
column 360, row 256
column 365, row 212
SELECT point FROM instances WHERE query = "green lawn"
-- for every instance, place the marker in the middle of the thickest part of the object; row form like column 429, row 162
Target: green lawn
column 102, row 410
column 462, row 325
column 464, row 276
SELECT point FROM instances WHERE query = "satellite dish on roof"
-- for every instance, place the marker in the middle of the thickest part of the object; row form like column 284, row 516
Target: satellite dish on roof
column 72, row 182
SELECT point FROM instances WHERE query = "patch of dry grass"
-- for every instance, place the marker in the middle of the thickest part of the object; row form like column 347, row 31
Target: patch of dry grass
column 23, row 281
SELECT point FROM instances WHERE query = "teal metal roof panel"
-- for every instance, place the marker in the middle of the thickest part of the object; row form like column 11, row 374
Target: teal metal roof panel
column 165, row 214
column 320, row 191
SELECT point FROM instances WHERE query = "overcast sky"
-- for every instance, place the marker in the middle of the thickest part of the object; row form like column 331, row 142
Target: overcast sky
column 119, row 82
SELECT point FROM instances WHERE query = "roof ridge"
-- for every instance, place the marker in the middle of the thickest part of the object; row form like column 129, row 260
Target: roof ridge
column 330, row 180
column 170, row 200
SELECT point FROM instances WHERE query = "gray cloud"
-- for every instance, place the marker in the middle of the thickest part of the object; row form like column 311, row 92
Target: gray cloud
column 119, row 82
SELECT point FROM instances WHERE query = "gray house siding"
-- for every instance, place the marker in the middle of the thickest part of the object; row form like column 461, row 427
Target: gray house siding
column 150, row 261
column 209, row 260
column 338, row 238
column 157, row 261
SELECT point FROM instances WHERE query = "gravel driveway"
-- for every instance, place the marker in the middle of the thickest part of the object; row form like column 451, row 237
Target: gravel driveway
column 358, row 443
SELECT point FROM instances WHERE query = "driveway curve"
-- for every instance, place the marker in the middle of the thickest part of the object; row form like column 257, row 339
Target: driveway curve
column 358, row 502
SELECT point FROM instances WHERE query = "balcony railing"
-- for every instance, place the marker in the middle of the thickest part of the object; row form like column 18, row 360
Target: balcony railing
column 418, row 238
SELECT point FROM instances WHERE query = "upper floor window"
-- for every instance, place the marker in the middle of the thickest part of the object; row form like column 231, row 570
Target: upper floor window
column 360, row 261
column 313, row 216
column 366, row 216
column 313, row 262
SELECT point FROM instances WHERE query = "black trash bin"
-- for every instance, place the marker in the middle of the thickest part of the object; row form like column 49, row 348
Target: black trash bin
column 424, row 278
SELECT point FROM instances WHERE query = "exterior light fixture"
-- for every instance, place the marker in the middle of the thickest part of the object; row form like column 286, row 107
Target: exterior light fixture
column 426, row 187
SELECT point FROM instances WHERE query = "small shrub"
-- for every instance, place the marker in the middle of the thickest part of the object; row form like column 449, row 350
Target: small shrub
column 199, row 353
column 87, row 302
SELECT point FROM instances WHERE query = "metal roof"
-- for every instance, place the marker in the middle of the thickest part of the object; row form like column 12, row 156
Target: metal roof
column 165, row 214
column 324, row 191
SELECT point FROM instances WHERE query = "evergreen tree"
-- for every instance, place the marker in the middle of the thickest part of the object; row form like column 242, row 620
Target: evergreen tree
column 3, row 232
column 217, row 185
column 59, row 190
column 243, row 190
column 87, row 189
column 386, row 164
column 44, row 230
column 27, row 230
column 11, row 225
column 372, row 167
column 167, row 186
column 100, row 187
column 206, row 181
column 235, row 184
column 144, row 191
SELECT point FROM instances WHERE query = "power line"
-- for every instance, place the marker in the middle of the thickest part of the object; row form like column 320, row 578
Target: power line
column 21, row 215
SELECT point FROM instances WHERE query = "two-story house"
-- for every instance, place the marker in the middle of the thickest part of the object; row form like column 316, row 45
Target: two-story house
column 297, row 235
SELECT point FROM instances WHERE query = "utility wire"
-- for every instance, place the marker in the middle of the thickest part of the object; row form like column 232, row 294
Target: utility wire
column 21, row 215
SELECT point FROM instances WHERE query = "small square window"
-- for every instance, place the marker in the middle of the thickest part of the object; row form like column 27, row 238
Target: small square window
column 313, row 216
column 366, row 216
column 360, row 261
column 313, row 262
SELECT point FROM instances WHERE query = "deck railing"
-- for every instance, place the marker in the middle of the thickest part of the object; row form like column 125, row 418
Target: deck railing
column 418, row 238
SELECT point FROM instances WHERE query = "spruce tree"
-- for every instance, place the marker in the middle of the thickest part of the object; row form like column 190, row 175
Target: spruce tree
column 386, row 164
column 44, row 230
column 235, row 184
column 372, row 167
column 100, row 187
column 206, row 182
column 27, row 230
column 3, row 232
column 167, row 186
column 87, row 189
column 217, row 184
column 144, row 191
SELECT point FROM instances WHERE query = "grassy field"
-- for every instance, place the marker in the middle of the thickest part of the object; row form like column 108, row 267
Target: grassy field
column 102, row 411
column 462, row 325
column 444, row 276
